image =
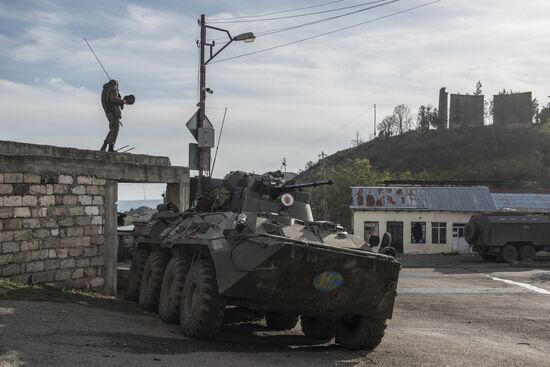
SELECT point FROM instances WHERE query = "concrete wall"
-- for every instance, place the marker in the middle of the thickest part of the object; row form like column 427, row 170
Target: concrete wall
column 382, row 217
column 466, row 111
column 509, row 109
column 58, row 211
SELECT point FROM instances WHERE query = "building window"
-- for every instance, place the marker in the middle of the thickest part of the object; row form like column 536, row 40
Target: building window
column 418, row 232
column 439, row 232
column 370, row 229
column 458, row 230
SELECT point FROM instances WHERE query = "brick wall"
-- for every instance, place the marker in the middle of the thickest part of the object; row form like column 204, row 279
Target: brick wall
column 52, row 228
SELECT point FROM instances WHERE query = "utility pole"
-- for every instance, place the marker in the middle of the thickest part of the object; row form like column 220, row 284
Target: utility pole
column 322, row 157
column 199, row 125
column 375, row 120
column 202, row 98
column 283, row 167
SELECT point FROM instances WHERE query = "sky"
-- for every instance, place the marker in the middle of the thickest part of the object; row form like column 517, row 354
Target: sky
column 291, row 102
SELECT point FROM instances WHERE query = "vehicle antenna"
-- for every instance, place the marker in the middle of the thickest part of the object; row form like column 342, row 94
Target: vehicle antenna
column 218, row 145
column 100, row 64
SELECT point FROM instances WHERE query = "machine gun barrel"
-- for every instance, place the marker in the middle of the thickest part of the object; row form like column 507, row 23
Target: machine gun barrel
column 280, row 189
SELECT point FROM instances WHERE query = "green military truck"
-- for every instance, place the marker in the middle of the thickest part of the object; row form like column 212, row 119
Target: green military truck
column 508, row 237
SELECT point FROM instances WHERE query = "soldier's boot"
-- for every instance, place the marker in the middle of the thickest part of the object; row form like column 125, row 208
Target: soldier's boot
column 111, row 147
column 104, row 146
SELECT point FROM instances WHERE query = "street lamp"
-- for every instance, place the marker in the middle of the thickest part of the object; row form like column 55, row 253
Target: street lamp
column 247, row 37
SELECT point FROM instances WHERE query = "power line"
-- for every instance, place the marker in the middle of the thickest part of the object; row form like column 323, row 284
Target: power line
column 300, row 15
column 280, row 11
column 327, row 33
column 284, row 29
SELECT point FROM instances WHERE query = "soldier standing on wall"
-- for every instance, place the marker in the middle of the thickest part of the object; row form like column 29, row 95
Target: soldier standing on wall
column 113, row 105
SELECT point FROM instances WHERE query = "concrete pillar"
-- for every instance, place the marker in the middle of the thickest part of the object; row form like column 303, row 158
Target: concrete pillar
column 111, row 238
column 178, row 193
column 443, row 109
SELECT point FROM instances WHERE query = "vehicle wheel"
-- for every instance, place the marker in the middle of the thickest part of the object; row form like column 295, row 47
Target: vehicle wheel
column 315, row 328
column 201, row 307
column 149, row 289
column 527, row 252
column 280, row 321
column 509, row 254
column 489, row 258
column 136, row 273
column 172, row 286
column 359, row 332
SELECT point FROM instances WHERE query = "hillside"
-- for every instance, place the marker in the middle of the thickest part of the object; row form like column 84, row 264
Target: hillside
column 519, row 157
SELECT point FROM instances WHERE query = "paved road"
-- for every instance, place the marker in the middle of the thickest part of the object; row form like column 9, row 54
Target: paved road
column 452, row 315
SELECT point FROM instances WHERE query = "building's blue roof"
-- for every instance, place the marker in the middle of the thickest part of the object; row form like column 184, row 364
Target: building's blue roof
column 452, row 199
column 522, row 202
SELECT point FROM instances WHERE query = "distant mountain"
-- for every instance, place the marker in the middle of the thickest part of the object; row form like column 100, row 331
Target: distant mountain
column 126, row 205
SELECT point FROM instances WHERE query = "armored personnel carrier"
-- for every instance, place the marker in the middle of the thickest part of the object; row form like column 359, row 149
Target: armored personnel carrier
column 251, row 241
column 508, row 237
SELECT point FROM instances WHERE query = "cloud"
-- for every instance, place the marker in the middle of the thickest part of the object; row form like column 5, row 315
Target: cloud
column 291, row 102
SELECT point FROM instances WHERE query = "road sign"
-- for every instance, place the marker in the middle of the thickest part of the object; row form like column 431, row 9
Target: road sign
column 193, row 158
column 206, row 137
column 193, row 124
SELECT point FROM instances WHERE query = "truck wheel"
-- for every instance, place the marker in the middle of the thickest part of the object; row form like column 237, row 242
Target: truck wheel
column 149, row 289
column 360, row 332
column 280, row 321
column 315, row 328
column 136, row 273
column 527, row 252
column 172, row 286
column 489, row 258
column 509, row 253
column 201, row 307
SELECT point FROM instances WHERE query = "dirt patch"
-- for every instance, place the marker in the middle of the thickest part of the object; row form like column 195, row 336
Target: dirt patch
column 49, row 293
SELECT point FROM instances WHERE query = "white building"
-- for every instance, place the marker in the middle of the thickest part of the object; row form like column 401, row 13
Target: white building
column 421, row 220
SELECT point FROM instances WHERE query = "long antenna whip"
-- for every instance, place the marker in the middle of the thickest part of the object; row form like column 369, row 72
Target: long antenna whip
column 100, row 64
column 218, row 145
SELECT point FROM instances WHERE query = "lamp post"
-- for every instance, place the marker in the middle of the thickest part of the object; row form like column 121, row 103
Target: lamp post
column 245, row 37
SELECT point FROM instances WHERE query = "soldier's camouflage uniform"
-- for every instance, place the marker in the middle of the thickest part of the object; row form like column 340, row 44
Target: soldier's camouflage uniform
column 113, row 105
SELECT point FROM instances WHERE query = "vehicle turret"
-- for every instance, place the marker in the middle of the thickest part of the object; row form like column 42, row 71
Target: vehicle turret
column 244, row 192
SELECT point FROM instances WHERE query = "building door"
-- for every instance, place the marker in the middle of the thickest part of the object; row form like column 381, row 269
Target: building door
column 459, row 242
column 396, row 231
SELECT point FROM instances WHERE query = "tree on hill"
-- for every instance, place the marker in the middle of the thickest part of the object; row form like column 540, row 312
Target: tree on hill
column 544, row 115
column 404, row 118
column 426, row 118
column 478, row 91
column 389, row 126
column 356, row 172
column 399, row 122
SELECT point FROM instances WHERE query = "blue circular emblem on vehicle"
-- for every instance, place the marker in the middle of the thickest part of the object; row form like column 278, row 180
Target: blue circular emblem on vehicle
column 328, row 281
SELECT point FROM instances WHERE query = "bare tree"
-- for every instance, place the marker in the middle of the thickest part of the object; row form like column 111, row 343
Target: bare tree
column 404, row 118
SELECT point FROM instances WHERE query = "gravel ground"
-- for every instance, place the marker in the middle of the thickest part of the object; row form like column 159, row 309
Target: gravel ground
column 450, row 314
